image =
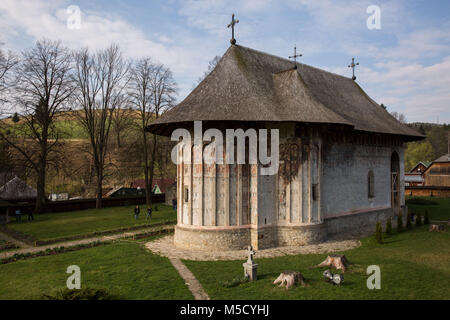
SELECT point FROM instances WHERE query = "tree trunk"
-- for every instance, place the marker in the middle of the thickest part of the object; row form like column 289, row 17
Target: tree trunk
column 40, row 199
column 118, row 139
column 98, row 200
column 152, row 165
column 148, row 193
column 338, row 261
column 437, row 227
column 289, row 278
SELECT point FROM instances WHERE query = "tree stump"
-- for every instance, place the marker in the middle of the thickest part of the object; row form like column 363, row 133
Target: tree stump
column 339, row 261
column 289, row 278
column 437, row 227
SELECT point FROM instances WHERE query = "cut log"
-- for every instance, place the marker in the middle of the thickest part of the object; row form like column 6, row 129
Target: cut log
column 437, row 227
column 289, row 279
column 339, row 261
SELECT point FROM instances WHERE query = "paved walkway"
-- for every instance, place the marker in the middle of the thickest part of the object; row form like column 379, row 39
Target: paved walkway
column 73, row 243
column 193, row 284
column 164, row 246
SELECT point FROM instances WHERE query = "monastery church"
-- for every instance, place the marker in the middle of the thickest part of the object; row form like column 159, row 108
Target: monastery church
column 340, row 161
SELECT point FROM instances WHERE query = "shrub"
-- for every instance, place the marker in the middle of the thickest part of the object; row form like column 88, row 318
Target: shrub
column 399, row 222
column 379, row 233
column 156, row 208
column 418, row 220
column 408, row 220
column 78, row 294
column 426, row 218
column 389, row 226
column 420, row 201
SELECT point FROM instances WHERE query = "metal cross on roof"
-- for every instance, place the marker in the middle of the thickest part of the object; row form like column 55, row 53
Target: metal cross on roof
column 295, row 56
column 353, row 65
column 231, row 25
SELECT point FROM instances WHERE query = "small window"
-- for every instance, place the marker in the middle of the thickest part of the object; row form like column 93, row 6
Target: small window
column 315, row 191
column 371, row 184
column 186, row 194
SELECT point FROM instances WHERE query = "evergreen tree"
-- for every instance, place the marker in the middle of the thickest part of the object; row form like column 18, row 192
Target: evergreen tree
column 426, row 219
column 399, row 222
column 379, row 233
column 408, row 220
column 418, row 220
column 389, row 226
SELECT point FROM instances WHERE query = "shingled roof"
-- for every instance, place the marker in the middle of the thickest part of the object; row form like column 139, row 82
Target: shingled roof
column 249, row 85
column 17, row 189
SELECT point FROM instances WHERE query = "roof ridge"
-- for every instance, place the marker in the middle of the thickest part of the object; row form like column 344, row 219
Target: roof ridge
column 287, row 60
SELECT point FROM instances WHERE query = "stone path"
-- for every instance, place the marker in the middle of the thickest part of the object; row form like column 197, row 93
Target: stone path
column 164, row 246
column 193, row 284
column 73, row 243
column 18, row 243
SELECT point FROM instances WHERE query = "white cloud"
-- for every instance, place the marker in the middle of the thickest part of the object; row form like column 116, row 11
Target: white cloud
column 405, row 65
column 37, row 19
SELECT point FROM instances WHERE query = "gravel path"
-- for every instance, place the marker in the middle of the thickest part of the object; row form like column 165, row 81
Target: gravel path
column 164, row 246
column 193, row 284
column 73, row 243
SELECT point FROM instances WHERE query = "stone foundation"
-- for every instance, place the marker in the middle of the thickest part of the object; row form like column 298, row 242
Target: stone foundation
column 361, row 223
column 212, row 239
column 239, row 238
column 301, row 235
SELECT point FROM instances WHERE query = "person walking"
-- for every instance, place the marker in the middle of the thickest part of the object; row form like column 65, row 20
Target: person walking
column 136, row 212
column 30, row 215
column 149, row 213
column 18, row 215
column 174, row 204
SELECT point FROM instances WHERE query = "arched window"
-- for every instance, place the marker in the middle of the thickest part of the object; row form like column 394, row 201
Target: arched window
column 371, row 184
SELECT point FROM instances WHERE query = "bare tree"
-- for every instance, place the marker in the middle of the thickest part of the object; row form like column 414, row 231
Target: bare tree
column 43, row 89
column 152, row 89
column 211, row 65
column 122, row 119
column 101, row 79
column 7, row 62
column 399, row 116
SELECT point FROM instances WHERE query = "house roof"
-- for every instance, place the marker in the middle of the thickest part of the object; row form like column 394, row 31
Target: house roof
column 444, row 158
column 413, row 178
column 112, row 191
column 251, row 86
column 163, row 184
column 17, row 189
column 426, row 164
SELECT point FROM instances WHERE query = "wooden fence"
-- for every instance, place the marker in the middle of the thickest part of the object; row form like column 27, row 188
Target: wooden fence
column 79, row 204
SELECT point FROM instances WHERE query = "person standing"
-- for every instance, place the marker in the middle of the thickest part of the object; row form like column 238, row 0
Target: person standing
column 30, row 215
column 18, row 215
column 174, row 204
column 136, row 212
column 149, row 213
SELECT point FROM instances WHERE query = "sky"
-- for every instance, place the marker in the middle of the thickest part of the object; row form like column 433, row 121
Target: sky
column 404, row 62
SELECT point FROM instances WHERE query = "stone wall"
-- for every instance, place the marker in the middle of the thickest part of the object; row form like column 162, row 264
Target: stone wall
column 322, row 175
column 361, row 223
column 345, row 172
column 212, row 238
column 239, row 238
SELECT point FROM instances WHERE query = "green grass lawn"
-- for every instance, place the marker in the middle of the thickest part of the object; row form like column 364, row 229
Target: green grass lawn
column 125, row 269
column 414, row 264
column 58, row 225
column 438, row 208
